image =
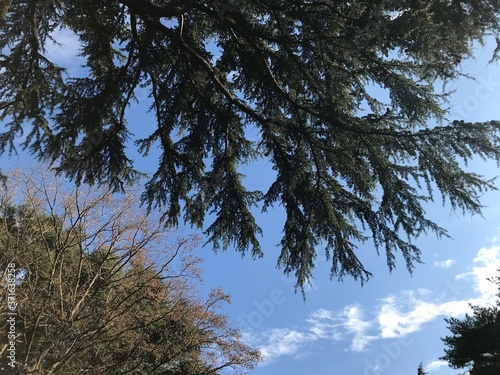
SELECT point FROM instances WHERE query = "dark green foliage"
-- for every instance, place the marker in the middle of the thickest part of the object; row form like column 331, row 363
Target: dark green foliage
column 420, row 370
column 475, row 340
column 285, row 81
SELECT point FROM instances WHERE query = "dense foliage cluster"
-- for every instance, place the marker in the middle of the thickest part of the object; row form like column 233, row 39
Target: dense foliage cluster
column 338, row 96
column 475, row 340
column 420, row 370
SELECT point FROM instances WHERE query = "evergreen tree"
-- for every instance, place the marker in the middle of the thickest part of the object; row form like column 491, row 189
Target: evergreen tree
column 475, row 340
column 420, row 370
column 288, row 82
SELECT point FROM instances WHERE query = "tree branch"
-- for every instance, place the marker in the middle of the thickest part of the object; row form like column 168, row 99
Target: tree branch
column 144, row 7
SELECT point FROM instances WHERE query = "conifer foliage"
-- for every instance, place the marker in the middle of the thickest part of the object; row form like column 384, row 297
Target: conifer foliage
column 420, row 370
column 101, row 289
column 474, row 343
column 286, row 81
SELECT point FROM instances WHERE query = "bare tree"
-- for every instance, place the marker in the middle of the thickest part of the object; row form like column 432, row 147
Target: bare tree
column 103, row 288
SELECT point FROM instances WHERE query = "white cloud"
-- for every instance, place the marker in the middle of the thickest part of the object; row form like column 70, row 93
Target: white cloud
column 445, row 263
column 435, row 365
column 323, row 314
column 487, row 263
column 325, row 324
column 64, row 51
column 65, row 48
column 395, row 321
column 355, row 323
column 396, row 316
column 321, row 325
column 401, row 316
column 404, row 315
column 284, row 342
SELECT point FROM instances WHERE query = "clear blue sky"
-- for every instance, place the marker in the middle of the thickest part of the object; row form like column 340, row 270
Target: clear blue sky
column 392, row 323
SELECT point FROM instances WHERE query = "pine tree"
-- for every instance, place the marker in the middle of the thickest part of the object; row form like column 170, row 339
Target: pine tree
column 287, row 82
column 475, row 340
column 420, row 370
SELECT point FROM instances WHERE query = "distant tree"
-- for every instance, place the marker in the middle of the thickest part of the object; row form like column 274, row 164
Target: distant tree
column 103, row 289
column 420, row 370
column 475, row 340
column 288, row 82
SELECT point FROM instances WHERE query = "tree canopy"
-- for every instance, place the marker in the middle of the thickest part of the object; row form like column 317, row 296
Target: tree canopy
column 420, row 370
column 293, row 83
column 475, row 340
column 102, row 289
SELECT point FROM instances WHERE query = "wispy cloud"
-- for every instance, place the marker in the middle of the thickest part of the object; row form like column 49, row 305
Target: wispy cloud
column 445, row 263
column 280, row 342
column 324, row 324
column 358, row 325
column 409, row 312
column 64, row 48
column 396, row 319
column 486, row 265
column 396, row 315
column 435, row 365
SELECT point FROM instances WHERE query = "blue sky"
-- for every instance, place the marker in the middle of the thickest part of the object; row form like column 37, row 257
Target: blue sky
column 392, row 323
